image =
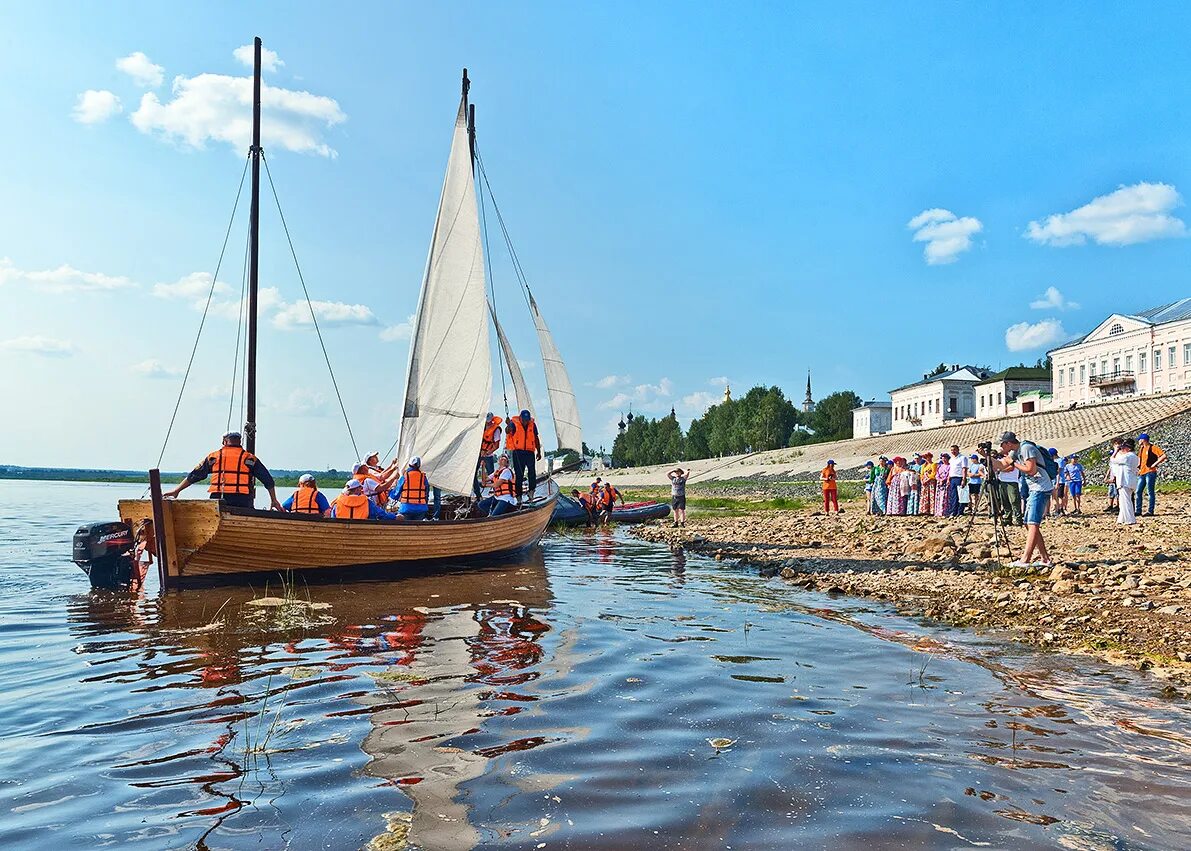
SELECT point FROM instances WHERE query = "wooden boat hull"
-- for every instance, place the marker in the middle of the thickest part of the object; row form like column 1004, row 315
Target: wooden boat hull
column 206, row 540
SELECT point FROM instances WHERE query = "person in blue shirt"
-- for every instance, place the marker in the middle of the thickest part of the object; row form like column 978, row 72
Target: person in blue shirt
column 307, row 499
column 1073, row 473
column 412, row 492
column 352, row 504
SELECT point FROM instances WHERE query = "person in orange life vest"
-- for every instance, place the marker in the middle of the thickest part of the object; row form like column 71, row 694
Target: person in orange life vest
column 488, row 446
column 521, row 438
column 412, row 492
column 353, row 504
column 830, row 490
column 370, row 469
column 232, row 469
column 307, row 499
column 588, row 501
column 503, row 488
column 607, row 499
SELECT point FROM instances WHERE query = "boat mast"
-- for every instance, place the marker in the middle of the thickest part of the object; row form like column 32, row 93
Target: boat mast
column 254, row 222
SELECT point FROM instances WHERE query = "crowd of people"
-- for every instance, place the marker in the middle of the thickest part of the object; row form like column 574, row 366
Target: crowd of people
column 1022, row 484
column 382, row 492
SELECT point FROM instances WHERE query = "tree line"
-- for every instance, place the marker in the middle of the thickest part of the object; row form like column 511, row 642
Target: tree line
column 761, row 419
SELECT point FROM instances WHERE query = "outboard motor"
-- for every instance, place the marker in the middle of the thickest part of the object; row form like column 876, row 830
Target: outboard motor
column 104, row 552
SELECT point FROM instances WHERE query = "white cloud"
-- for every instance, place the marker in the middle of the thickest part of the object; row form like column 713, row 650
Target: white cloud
column 218, row 108
column 718, row 381
column 946, row 235
column 64, row 279
column 699, row 401
column 270, row 61
column 526, row 364
column 649, row 398
column 331, row 314
column 610, row 381
column 1052, row 299
column 617, row 401
column 143, row 72
column 267, row 298
column 1025, row 336
column 302, row 402
column 400, row 331
column 96, row 106
column 194, row 285
column 1129, row 215
column 38, row 345
column 155, row 369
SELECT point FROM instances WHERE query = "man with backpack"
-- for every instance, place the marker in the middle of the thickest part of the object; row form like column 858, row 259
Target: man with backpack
column 1040, row 470
column 1150, row 458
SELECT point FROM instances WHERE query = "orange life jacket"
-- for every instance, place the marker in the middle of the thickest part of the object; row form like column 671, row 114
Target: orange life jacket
column 588, row 500
column 352, row 506
column 415, row 490
column 382, row 496
column 306, row 501
column 608, row 496
column 524, row 436
column 502, row 486
column 229, row 470
column 491, row 440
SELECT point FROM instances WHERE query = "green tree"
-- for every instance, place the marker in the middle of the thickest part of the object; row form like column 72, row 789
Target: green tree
column 832, row 417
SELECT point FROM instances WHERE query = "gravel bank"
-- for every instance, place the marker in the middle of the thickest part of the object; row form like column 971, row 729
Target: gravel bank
column 1120, row 593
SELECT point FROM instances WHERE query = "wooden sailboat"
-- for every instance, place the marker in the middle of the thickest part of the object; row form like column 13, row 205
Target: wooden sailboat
column 448, row 392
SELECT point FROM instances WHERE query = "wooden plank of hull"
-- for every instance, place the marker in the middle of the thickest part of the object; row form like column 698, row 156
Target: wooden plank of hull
column 210, row 540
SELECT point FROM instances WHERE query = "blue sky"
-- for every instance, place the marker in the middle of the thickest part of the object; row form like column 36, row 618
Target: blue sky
column 698, row 193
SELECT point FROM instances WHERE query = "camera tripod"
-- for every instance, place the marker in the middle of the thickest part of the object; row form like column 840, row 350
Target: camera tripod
column 985, row 497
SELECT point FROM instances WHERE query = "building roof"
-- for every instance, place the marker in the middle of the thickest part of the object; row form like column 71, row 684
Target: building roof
column 1019, row 373
column 873, row 403
column 1160, row 315
column 977, row 371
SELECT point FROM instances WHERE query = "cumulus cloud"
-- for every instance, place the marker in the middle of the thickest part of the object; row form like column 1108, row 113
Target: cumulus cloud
column 698, row 402
column 331, row 314
column 194, row 285
column 650, row 398
column 64, row 279
column 1025, row 335
column 1129, row 215
column 218, row 108
column 718, row 381
column 617, row 401
column 267, row 298
column 155, row 369
column 143, row 72
column 1052, row 299
column 96, row 106
column 48, row 347
column 270, row 61
column 946, row 235
column 400, row 331
column 302, row 402
column 610, row 381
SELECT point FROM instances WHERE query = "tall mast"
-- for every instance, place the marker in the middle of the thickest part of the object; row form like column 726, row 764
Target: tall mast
column 254, row 226
column 471, row 119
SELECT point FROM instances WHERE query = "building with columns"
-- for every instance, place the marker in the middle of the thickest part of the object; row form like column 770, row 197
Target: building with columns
column 1126, row 354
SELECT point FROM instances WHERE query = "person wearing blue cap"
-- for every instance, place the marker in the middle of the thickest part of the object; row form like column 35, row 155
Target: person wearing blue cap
column 830, row 489
column 521, row 439
column 1058, row 502
column 1150, row 458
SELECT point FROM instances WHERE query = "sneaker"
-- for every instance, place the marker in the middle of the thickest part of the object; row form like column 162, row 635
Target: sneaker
column 1020, row 563
column 1043, row 563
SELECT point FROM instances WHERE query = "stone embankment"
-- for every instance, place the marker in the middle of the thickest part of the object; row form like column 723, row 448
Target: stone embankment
column 1120, row 593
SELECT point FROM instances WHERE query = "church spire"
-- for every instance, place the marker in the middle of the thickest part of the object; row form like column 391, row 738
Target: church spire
column 808, row 404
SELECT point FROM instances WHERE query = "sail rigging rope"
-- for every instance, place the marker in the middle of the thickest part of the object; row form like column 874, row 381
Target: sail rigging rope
column 206, row 308
column 520, row 272
column 310, row 306
column 231, row 396
column 500, row 349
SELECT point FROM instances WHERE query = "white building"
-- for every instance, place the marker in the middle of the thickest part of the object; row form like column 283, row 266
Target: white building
column 872, row 417
column 1126, row 354
column 995, row 394
column 937, row 399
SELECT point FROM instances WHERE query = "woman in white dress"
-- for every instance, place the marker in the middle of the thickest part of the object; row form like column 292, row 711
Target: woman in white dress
column 1125, row 464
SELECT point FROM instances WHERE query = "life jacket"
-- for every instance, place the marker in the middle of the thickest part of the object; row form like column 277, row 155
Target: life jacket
column 588, row 500
column 382, row 496
column 608, row 497
column 595, row 487
column 352, row 506
column 491, row 441
column 229, row 470
column 524, row 436
column 415, row 490
column 502, row 486
column 306, row 501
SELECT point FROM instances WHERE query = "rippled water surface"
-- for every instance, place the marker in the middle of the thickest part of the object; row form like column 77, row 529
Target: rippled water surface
column 562, row 699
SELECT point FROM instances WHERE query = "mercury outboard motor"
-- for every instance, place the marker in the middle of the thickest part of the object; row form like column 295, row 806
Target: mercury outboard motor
column 104, row 552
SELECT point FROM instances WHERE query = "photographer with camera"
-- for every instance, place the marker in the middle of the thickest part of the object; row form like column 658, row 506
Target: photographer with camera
column 1034, row 464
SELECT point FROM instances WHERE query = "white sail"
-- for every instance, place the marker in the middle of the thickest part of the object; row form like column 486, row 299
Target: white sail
column 558, row 386
column 520, row 390
column 449, row 385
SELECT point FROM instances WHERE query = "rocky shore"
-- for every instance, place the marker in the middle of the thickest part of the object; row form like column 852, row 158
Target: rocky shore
column 1120, row 593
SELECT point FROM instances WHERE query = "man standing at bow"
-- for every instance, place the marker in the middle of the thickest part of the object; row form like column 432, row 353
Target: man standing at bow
column 232, row 469
column 521, row 438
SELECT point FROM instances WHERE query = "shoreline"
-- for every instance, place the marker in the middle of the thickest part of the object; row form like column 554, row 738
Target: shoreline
column 1121, row 594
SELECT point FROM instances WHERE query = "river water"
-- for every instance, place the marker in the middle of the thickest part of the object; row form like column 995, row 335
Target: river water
column 561, row 699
